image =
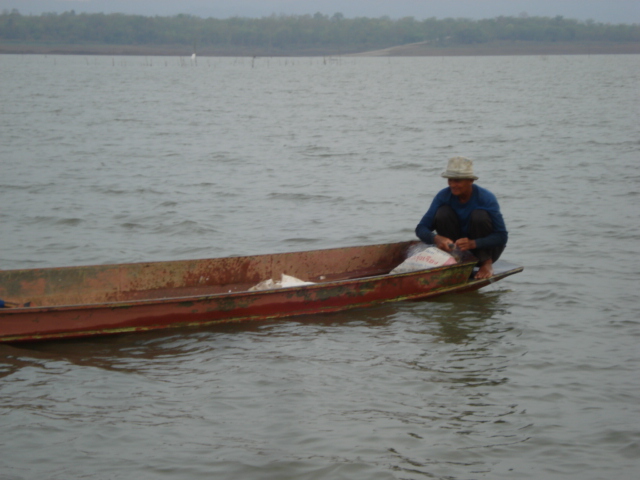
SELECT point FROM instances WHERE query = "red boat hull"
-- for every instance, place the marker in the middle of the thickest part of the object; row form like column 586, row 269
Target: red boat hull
column 181, row 306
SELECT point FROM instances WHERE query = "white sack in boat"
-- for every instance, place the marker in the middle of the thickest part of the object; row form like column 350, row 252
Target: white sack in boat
column 285, row 282
column 429, row 257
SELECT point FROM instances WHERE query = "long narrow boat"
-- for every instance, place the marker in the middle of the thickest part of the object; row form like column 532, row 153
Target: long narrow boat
column 54, row 303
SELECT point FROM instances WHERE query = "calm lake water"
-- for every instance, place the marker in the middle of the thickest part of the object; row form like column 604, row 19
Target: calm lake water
column 124, row 159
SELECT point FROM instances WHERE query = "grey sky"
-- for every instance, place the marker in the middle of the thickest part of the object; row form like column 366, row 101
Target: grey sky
column 608, row 11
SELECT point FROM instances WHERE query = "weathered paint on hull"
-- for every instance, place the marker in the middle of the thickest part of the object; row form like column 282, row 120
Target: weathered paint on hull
column 184, row 310
column 47, row 323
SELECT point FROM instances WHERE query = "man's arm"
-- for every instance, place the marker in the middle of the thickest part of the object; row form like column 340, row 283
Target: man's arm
column 425, row 228
column 424, row 233
column 499, row 235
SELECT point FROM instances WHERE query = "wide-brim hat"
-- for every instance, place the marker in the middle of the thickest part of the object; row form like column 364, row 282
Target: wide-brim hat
column 460, row 168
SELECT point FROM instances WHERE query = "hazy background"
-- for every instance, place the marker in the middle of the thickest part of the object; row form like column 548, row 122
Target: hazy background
column 608, row 11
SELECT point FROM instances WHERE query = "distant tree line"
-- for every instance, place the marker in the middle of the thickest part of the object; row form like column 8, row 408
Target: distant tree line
column 299, row 31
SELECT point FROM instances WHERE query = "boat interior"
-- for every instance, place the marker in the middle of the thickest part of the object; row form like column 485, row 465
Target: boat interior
column 132, row 282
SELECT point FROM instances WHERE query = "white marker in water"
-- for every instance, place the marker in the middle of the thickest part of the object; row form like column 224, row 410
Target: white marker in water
column 193, row 56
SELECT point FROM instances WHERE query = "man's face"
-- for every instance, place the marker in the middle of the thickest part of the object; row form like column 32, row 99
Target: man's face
column 461, row 187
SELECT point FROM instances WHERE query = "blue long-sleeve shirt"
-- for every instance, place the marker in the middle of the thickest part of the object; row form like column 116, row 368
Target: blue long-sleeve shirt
column 481, row 199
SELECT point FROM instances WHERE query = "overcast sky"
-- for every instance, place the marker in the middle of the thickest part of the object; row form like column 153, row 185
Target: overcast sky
column 608, row 11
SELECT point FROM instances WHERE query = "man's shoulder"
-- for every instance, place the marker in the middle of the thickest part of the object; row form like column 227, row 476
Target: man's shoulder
column 445, row 193
column 483, row 192
column 484, row 196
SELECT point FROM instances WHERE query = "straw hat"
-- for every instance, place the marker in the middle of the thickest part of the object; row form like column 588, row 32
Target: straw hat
column 460, row 167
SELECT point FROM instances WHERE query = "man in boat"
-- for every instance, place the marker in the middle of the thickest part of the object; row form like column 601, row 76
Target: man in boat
column 465, row 216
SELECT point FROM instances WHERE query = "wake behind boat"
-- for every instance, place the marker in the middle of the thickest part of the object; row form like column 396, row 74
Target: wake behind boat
column 52, row 303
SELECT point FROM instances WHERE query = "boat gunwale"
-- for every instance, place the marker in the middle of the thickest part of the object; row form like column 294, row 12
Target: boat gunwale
column 405, row 243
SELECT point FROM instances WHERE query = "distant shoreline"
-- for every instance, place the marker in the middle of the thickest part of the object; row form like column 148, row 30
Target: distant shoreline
column 421, row 49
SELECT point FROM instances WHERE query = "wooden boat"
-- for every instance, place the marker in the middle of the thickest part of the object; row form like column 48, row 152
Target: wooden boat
column 54, row 303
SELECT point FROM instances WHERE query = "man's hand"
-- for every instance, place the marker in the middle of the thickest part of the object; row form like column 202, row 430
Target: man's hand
column 465, row 244
column 443, row 243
